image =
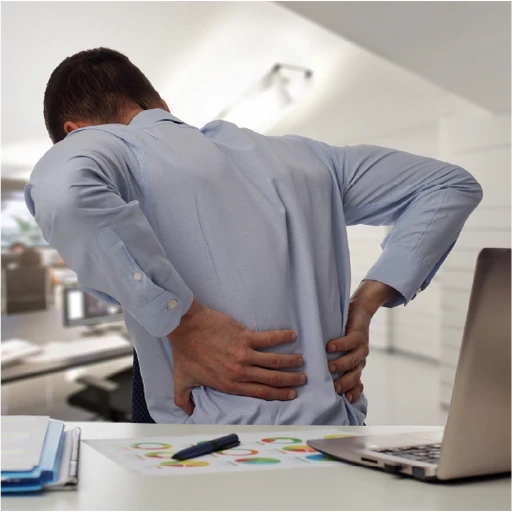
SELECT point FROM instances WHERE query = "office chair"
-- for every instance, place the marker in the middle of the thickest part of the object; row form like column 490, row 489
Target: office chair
column 111, row 399
column 108, row 398
column 27, row 289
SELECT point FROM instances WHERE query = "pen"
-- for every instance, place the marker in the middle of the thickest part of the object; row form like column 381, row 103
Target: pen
column 222, row 443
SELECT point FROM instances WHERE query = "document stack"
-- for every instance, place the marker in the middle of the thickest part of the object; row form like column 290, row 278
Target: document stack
column 38, row 454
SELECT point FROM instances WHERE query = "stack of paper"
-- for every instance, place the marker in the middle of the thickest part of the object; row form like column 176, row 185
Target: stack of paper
column 37, row 454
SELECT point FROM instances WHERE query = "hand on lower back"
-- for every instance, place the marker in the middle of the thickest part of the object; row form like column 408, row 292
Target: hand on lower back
column 369, row 296
column 355, row 344
column 212, row 349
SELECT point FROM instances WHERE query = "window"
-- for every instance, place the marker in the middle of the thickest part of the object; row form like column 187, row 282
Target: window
column 18, row 225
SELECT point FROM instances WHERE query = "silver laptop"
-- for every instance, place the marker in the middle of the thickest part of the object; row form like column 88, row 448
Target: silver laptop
column 477, row 435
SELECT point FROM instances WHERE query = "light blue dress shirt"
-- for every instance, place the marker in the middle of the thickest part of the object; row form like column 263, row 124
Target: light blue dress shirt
column 154, row 213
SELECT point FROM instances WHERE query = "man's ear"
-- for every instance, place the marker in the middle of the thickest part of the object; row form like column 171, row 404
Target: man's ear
column 69, row 126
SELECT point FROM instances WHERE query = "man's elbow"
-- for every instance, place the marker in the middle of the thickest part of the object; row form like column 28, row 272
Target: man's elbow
column 477, row 192
column 469, row 185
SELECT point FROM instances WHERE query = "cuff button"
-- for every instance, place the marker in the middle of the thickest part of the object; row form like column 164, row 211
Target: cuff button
column 172, row 304
column 137, row 276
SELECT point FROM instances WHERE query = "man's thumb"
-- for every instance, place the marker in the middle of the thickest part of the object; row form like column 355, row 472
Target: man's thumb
column 183, row 399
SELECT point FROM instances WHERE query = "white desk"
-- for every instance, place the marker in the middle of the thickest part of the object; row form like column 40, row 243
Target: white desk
column 106, row 486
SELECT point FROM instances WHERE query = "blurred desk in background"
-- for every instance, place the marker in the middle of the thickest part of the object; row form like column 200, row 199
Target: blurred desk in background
column 45, row 327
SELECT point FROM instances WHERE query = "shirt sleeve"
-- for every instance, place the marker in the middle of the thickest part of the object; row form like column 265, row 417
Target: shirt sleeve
column 424, row 200
column 75, row 197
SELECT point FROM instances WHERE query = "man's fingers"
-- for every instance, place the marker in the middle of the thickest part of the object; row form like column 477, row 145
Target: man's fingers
column 276, row 361
column 183, row 400
column 348, row 361
column 348, row 381
column 353, row 394
column 264, row 392
column 276, row 379
column 266, row 339
column 349, row 342
column 183, row 386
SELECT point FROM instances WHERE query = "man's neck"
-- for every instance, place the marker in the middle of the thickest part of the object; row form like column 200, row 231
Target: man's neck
column 127, row 119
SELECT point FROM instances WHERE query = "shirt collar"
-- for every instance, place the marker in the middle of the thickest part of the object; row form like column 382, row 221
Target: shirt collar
column 148, row 118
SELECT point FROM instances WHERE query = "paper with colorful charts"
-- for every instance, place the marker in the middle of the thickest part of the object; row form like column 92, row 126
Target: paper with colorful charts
column 257, row 451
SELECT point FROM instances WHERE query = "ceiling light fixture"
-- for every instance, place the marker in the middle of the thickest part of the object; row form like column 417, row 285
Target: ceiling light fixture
column 267, row 101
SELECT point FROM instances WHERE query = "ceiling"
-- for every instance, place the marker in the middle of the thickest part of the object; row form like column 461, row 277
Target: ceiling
column 463, row 47
column 201, row 56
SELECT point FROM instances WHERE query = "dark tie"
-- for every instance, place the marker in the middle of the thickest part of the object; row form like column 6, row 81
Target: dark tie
column 140, row 413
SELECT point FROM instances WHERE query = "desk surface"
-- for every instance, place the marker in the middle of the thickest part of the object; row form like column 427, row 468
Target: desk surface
column 43, row 327
column 106, row 486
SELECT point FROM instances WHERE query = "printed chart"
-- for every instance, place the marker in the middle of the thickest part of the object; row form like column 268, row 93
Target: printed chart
column 153, row 456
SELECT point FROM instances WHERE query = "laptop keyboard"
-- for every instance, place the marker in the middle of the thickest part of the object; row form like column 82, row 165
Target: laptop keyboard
column 423, row 453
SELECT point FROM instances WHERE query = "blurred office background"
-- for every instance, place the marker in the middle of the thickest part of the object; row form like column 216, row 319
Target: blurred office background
column 432, row 78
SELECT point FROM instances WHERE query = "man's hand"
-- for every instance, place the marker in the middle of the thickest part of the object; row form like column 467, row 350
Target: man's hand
column 212, row 349
column 363, row 305
column 356, row 345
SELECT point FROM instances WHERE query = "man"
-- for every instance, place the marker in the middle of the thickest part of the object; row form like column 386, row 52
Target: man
column 227, row 249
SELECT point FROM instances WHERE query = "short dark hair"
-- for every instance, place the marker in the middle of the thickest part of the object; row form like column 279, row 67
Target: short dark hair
column 97, row 85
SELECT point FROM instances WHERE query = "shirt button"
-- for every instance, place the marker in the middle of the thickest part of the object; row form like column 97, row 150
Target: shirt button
column 172, row 304
column 137, row 276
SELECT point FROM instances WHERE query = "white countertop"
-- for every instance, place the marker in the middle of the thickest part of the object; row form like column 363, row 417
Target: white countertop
column 105, row 485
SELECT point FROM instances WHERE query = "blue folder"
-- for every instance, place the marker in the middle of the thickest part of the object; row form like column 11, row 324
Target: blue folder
column 49, row 463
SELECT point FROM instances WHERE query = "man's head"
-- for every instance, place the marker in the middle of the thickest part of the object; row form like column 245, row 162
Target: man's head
column 93, row 87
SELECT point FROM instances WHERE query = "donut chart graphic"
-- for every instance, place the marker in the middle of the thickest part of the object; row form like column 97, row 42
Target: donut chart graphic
column 185, row 464
column 258, row 461
column 319, row 457
column 299, row 449
column 282, row 440
column 238, row 452
column 151, row 446
column 159, row 455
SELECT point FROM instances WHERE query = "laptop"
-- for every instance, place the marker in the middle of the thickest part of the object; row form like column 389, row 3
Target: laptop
column 476, row 438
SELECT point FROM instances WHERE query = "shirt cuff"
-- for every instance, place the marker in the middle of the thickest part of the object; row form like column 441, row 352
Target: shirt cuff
column 163, row 314
column 401, row 269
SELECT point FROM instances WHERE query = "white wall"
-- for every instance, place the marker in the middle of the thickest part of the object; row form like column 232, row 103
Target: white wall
column 480, row 144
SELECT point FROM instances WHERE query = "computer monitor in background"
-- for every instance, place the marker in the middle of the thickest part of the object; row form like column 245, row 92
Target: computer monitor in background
column 81, row 308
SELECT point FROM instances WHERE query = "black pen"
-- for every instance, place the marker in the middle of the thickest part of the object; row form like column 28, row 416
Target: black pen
column 216, row 445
